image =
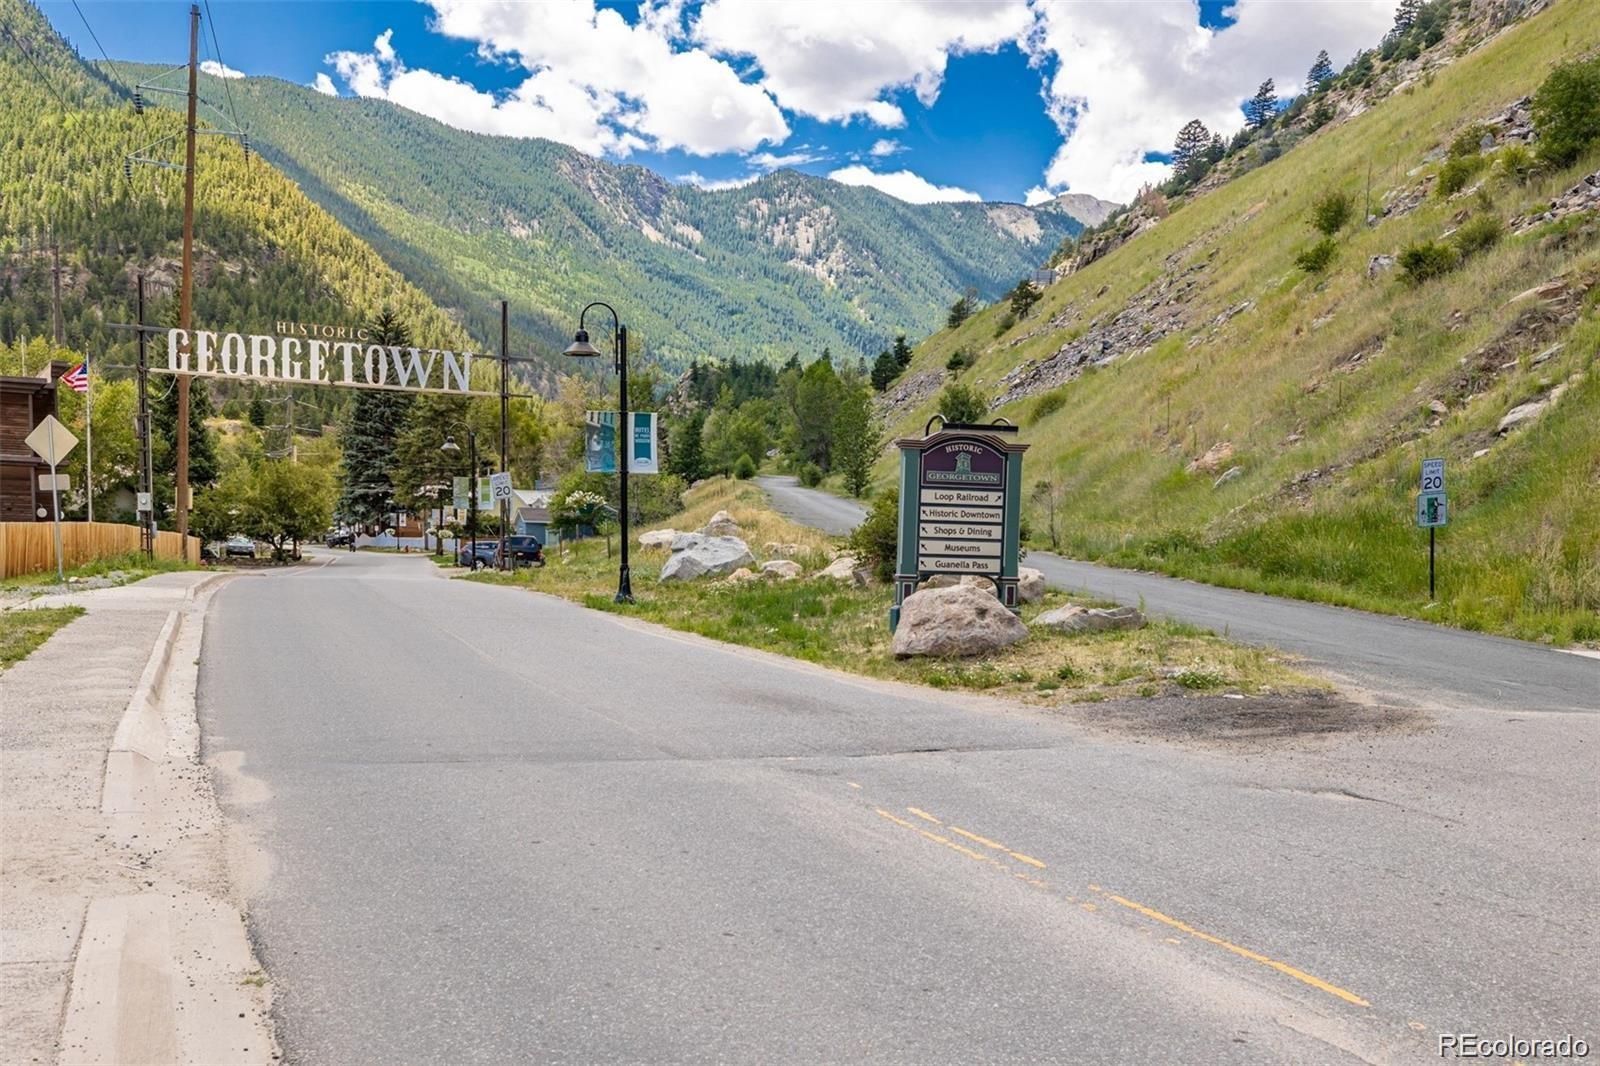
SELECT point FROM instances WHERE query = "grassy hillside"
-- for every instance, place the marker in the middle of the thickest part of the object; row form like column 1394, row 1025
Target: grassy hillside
column 1328, row 388
column 789, row 263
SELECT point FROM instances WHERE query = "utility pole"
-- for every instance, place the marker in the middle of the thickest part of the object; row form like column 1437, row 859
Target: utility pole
column 505, row 433
column 147, row 481
column 186, row 299
column 55, row 288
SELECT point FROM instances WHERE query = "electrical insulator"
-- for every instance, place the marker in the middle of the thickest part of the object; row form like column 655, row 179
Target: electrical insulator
column 127, row 168
column 138, row 102
column 244, row 139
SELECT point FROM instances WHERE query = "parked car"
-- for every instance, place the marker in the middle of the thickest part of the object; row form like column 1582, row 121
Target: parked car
column 486, row 554
column 522, row 549
column 340, row 538
column 239, row 546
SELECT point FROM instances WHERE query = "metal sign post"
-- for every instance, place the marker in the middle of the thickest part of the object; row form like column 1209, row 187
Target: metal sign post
column 1432, row 510
column 52, row 441
column 960, row 509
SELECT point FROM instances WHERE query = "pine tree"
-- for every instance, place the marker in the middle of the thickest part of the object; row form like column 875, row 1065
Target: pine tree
column 257, row 412
column 1023, row 297
column 902, row 352
column 686, row 452
column 960, row 311
column 884, row 370
column 855, row 439
column 375, row 423
column 1262, row 108
column 203, row 465
column 1405, row 16
column 1189, row 149
column 1320, row 72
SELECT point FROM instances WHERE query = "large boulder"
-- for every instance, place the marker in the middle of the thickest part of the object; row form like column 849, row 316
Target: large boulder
column 721, row 525
column 960, row 621
column 658, row 538
column 1074, row 619
column 783, row 569
column 1030, row 584
column 702, row 556
column 950, row 581
column 845, row 568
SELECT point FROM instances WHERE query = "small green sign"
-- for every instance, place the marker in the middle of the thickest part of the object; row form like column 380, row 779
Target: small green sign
column 1432, row 511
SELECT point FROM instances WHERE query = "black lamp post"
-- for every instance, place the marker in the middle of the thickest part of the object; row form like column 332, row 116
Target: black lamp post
column 582, row 349
column 450, row 447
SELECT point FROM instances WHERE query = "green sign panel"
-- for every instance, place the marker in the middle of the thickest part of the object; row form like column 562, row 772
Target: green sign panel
column 960, row 509
column 1431, row 510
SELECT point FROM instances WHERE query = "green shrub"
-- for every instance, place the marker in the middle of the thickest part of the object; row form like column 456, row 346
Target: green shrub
column 810, row 475
column 744, row 468
column 1457, row 171
column 1006, row 321
column 959, row 360
column 1048, row 404
column 1566, row 111
column 876, row 540
column 1315, row 259
column 1469, row 142
column 962, row 403
column 1430, row 259
column 1330, row 212
column 1477, row 234
column 1516, row 163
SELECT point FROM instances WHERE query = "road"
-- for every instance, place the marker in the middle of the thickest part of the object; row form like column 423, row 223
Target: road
column 498, row 827
column 1396, row 659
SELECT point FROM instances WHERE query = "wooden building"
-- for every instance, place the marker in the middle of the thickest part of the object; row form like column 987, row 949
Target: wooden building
column 24, row 402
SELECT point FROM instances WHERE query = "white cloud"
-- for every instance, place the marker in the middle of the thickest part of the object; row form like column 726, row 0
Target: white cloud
column 217, row 70
column 771, row 161
column 1038, row 195
column 835, row 59
column 885, row 147
column 1124, row 85
column 717, row 184
column 902, row 185
column 324, row 85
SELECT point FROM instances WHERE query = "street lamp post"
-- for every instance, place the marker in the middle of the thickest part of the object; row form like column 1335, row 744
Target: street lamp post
column 450, row 447
column 582, row 349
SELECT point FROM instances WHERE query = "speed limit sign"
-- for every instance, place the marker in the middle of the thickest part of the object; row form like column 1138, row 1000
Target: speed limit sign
column 500, row 486
column 1432, row 476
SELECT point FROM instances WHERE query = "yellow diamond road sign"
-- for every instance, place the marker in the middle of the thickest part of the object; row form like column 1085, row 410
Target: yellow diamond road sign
column 51, row 440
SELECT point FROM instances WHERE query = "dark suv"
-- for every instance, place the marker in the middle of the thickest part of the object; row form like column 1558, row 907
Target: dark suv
column 523, row 550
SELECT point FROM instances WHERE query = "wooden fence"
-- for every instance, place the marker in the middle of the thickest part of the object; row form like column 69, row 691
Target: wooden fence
column 28, row 547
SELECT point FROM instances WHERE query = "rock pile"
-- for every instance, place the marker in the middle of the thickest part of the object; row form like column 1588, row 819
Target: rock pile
column 698, row 555
column 1584, row 196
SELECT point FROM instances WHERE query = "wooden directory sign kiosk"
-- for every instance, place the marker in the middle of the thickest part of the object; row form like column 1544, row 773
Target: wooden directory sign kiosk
column 960, row 509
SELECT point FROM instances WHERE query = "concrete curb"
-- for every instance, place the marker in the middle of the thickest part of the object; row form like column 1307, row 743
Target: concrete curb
column 165, row 976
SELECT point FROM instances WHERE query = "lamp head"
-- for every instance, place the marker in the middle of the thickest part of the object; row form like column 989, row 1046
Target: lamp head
column 450, row 447
column 580, row 347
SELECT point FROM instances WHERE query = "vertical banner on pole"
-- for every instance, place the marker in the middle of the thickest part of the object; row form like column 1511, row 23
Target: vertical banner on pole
column 645, row 457
column 600, row 442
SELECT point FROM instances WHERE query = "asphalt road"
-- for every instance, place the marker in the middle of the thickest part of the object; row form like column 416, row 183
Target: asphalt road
column 1396, row 659
column 501, row 828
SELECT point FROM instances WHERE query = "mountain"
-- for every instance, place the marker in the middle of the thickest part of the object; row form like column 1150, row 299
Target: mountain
column 1090, row 210
column 1213, row 391
column 788, row 263
column 263, row 251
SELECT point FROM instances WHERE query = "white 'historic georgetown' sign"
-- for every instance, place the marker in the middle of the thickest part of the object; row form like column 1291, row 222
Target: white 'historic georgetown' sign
column 318, row 361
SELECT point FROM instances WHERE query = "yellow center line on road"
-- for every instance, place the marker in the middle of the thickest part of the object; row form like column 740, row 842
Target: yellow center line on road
column 1253, row 956
column 1139, row 908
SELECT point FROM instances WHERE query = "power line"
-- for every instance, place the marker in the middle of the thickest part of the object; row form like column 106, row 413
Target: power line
column 96, row 38
column 36, row 68
column 211, row 24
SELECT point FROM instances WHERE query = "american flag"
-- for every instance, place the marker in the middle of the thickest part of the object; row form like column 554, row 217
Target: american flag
column 77, row 379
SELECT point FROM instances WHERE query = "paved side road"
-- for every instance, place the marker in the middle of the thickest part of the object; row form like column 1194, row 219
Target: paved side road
column 1395, row 658
column 505, row 829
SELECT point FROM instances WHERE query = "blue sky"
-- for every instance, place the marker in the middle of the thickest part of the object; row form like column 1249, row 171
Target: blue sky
column 998, row 99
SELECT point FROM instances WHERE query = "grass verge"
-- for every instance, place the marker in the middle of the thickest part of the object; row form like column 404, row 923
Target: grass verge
column 121, row 569
column 846, row 628
column 21, row 631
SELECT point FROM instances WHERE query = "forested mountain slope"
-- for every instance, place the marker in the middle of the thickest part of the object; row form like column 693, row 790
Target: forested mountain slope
column 1229, row 397
column 264, row 252
column 789, row 263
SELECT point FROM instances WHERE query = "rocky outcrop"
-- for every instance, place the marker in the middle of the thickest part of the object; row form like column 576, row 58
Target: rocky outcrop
column 782, row 569
column 1584, row 196
column 1030, row 584
column 696, row 555
column 845, row 568
column 721, row 525
column 954, row 622
column 1213, row 459
column 1074, row 619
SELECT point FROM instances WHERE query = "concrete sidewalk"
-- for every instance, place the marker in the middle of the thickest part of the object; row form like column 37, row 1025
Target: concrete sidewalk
column 119, row 938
